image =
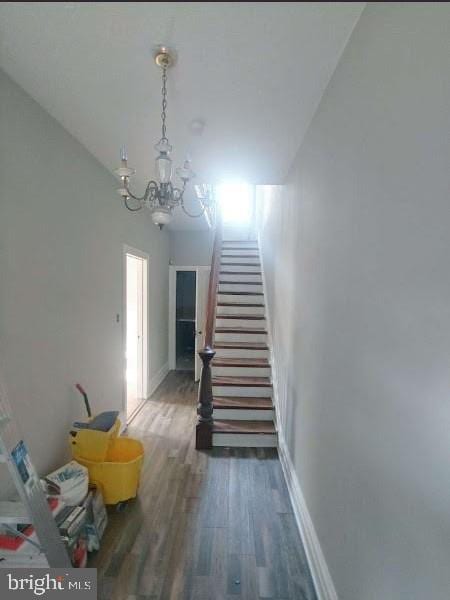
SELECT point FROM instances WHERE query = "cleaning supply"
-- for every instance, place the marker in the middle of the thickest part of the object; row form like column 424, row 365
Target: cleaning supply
column 71, row 482
column 114, row 462
column 101, row 422
column 118, row 475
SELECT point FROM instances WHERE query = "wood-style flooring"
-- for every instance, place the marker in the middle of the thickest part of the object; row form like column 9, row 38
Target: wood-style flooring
column 214, row 525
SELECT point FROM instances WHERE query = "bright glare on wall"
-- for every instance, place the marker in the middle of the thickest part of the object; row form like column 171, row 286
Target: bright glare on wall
column 236, row 202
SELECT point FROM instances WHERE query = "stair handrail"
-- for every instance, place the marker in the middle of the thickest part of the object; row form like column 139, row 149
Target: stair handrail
column 213, row 287
column 205, row 395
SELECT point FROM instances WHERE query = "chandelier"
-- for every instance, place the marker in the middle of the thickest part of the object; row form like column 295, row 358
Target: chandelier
column 161, row 197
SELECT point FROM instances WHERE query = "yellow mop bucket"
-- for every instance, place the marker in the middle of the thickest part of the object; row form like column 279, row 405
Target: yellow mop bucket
column 118, row 475
column 92, row 444
column 114, row 463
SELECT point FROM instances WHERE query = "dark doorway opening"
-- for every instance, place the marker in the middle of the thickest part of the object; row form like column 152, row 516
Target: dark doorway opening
column 185, row 320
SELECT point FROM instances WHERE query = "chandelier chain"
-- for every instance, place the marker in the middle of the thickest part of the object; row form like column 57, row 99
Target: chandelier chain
column 164, row 102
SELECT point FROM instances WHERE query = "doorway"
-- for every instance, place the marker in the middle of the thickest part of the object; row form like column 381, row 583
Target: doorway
column 136, row 330
column 185, row 321
column 188, row 289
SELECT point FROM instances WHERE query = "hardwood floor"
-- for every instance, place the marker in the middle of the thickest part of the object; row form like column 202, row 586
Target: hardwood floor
column 214, row 525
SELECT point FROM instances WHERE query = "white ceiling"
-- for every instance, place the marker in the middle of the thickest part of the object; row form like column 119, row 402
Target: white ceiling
column 253, row 72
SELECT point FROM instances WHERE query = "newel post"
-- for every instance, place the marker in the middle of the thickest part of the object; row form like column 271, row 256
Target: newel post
column 203, row 437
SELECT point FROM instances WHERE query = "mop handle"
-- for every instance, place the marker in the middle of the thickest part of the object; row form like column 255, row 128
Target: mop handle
column 86, row 401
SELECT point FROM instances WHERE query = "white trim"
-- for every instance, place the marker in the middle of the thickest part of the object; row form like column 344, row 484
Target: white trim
column 154, row 383
column 157, row 379
column 172, row 306
column 320, row 573
column 172, row 310
column 319, row 570
column 268, row 323
column 172, row 314
column 126, row 249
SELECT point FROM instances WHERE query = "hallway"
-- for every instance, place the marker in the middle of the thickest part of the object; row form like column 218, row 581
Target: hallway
column 206, row 525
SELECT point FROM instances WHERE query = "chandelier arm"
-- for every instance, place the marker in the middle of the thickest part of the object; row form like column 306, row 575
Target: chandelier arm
column 130, row 193
column 150, row 185
column 131, row 209
column 190, row 214
column 177, row 193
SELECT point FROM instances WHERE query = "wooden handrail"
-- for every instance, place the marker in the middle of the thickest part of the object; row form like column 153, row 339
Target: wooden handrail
column 203, row 438
column 213, row 287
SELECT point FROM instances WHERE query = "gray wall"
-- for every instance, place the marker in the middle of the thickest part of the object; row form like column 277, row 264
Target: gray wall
column 356, row 251
column 191, row 248
column 62, row 229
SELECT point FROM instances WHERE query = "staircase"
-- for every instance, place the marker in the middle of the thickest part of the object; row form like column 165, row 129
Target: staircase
column 241, row 374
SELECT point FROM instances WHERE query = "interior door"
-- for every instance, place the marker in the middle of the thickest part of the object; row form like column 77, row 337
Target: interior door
column 136, row 332
column 200, row 315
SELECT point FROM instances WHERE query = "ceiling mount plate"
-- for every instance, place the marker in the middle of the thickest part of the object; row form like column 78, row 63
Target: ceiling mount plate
column 164, row 57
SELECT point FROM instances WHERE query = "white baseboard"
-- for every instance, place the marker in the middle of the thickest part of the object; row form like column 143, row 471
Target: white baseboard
column 157, row 379
column 153, row 384
column 319, row 570
column 323, row 583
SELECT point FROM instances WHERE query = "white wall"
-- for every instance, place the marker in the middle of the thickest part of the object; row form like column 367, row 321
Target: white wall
column 191, row 248
column 356, row 251
column 62, row 229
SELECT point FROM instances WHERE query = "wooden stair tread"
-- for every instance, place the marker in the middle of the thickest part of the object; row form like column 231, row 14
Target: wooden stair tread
column 241, row 264
column 240, row 304
column 259, row 330
column 240, row 293
column 233, row 426
column 240, row 381
column 242, row 316
column 240, row 282
column 242, row 403
column 240, row 362
column 241, row 345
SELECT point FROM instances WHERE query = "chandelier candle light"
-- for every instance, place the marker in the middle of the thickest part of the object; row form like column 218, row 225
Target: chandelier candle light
column 160, row 197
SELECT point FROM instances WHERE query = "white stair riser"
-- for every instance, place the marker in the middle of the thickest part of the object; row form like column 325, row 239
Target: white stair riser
column 241, row 414
column 241, row 337
column 241, row 371
column 244, row 277
column 241, row 268
column 239, row 243
column 239, row 287
column 243, row 252
column 240, row 310
column 247, row 323
column 254, row 260
column 248, row 392
column 245, row 440
column 242, row 298
column 240, row 352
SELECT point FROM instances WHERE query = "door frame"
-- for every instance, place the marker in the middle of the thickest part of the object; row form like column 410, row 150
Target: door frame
column 173, row 269
column 126, row 249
